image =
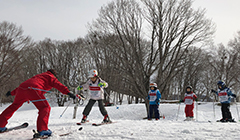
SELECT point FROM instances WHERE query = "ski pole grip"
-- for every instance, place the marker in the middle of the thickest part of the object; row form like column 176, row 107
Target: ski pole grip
column 78, row 96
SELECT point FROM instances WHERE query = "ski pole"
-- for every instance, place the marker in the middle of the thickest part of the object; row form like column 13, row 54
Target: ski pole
column 65, row 109
column 213, row 91
column 37, row 100
column 110, row 98
column 236, row 108
column 161, row 112
column 178, row 110
column 196, row 111
column 40, row 89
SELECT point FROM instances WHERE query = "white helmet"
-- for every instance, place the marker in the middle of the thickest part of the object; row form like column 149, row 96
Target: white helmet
column 92, row 73
column 153, row 85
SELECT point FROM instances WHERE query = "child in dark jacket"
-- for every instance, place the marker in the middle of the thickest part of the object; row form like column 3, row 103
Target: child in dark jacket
column 224, row 94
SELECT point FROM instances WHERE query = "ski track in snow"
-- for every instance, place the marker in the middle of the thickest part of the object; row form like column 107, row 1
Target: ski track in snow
column 129, row 124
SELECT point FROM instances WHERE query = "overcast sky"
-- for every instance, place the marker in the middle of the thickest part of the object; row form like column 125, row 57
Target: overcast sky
column 67, row 19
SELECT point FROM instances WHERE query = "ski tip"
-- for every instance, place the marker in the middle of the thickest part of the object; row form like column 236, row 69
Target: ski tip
column 25, row 124
column 80, row 128
column 79, row 123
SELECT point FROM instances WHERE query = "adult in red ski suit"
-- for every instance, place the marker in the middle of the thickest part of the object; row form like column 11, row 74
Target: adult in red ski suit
column 23, row 93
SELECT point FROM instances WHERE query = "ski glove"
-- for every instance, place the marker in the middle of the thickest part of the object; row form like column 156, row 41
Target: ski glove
column 80, row 96
column 234, row 95
column 102, row 84
column 214, row 91
column 180, row 101
column 71, row 95
column 8, row 93
column 157, row 101
column 80, row 88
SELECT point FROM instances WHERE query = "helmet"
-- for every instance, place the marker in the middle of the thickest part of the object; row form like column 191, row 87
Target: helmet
column 189, row 87
column 92, row 73
column 221, row 84
column 153, row 85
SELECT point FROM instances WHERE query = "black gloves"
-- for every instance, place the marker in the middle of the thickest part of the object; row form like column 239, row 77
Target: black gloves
column 234, row 95
column 213, row 91
column 71, row 95
column 8, row 93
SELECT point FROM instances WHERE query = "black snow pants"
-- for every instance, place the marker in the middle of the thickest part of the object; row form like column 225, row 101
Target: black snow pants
column 90, row 104
column 226, row 114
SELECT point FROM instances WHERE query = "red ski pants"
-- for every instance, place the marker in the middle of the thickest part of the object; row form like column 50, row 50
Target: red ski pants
column 189, row 110
column 22, row 96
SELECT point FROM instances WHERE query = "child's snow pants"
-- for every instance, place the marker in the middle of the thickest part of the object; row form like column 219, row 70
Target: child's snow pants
column 189, row 110
column 156, row 111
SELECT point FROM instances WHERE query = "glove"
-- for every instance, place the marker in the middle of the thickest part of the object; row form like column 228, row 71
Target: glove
column 80, row 96
column 71, row 95
column 157, row 101
column 102, row 84
column 80, row 88
column 234, row 95
column 180, row 101
column 196, row 99
column 213, row 91
column 8, row 93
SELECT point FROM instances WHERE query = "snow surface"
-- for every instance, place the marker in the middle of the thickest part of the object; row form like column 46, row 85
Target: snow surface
column 129, row 124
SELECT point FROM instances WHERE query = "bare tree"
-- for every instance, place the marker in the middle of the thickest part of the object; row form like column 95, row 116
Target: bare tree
column 175, row 27
column 12, row 44
column 137, row 52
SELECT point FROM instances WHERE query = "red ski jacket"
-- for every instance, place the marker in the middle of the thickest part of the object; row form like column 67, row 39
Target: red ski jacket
column 45, row 81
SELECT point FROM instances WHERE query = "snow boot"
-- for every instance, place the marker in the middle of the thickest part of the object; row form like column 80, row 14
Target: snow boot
column 191, row 119
column 187, row 119
column 84, row 119
column 106, row 119
column 2, row 129
column 222, row 120
column 231, row 120
column 45, row 133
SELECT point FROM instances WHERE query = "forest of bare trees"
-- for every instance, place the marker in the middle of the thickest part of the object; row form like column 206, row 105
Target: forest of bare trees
column 131, row 44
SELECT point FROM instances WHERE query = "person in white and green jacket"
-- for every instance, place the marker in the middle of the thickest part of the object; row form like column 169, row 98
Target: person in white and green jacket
column 95, row 86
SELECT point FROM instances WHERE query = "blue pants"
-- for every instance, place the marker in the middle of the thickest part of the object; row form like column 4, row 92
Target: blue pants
column 156, row 111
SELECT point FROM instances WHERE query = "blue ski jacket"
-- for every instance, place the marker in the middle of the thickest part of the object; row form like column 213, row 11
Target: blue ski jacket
column 154, row 96
column 224, row 95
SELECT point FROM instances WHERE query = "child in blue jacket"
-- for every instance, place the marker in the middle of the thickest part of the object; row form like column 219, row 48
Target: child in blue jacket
column 153, row 96
column 224, row 94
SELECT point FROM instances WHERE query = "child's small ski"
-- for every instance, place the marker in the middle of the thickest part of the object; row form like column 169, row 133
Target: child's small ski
column 99, row 124
column 79, row 123
column 226, row 121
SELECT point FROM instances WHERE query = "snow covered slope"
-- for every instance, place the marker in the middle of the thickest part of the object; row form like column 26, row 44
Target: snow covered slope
column 129, row 124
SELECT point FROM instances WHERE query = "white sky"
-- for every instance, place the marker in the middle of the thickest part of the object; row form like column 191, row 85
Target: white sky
column 67, row 19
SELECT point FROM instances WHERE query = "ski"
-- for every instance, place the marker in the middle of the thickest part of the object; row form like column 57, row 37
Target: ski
column 99, row 124
column 35, row 137
column 79, row 123
column 44, row 137
column 24, row 125
column 226, row 121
